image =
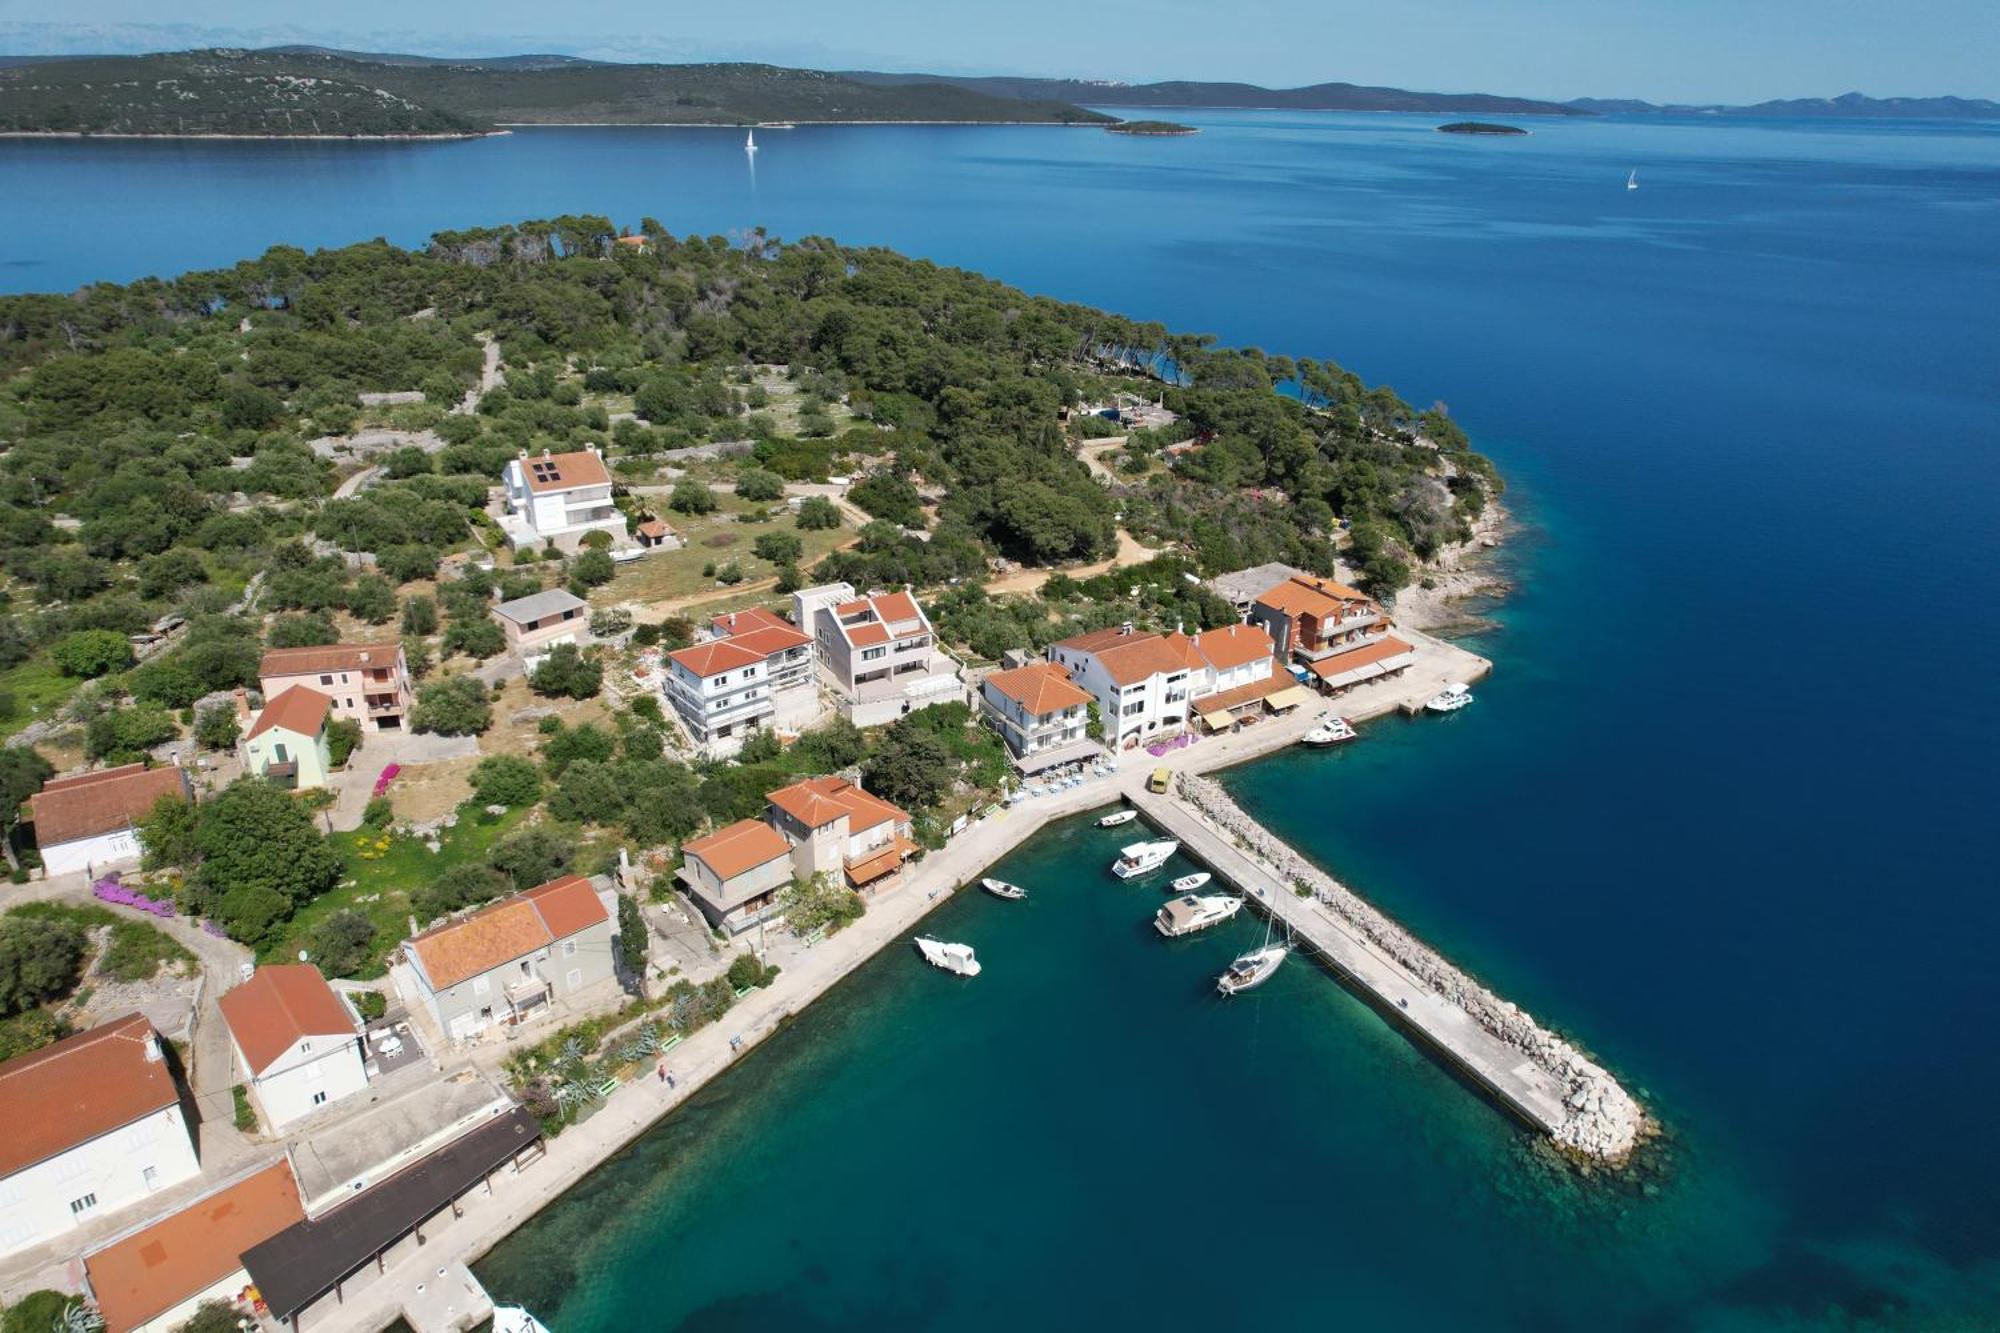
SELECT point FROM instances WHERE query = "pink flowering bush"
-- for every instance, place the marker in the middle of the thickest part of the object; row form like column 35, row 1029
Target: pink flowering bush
column 111, row 890
column 388, row 776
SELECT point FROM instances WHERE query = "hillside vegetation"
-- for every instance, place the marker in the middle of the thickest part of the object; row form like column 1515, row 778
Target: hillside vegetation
column 305, row 92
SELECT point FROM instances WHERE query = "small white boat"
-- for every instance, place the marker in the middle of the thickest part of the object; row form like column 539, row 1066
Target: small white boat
column 1189, row 883
column 1252, row 969
column 954, row 958
column 513, row 1319
column 1450, row 699
column 1143, row 858
column 1330, row 732
column 1000, row 888
column 1186, row 915
column 1632, row 181
column 750, row 143
column 1120, row 817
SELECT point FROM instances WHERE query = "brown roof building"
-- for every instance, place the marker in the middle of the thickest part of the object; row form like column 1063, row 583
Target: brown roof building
column 504, row 960
column 367, row 683
column 736, row 874
column 91, row 821
column 280, row 1005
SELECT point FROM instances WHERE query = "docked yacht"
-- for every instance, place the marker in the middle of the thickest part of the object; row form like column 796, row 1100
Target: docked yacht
column 1252, row 969
column 1118, row 817
column 1330, row 732
column 1189, row 883
column 1143, row 858
column 954, row 958
column 1186, row 915
column 513, row 1319
column 1450, row 699
column 1000, row 888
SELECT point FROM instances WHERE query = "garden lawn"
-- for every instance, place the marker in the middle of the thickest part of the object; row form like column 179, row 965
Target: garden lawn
column 37, row 690
column 380, row 878
column 716, row 538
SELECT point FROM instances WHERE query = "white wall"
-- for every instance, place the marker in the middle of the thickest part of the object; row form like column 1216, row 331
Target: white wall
column 118, row 847
column 314, row 1065
column 112, row 1169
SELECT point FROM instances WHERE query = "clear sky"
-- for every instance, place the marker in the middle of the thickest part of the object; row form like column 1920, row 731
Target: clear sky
column 1661, row 50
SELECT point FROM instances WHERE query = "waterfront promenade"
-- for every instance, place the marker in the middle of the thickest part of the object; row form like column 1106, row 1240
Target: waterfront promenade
column 373, row 1300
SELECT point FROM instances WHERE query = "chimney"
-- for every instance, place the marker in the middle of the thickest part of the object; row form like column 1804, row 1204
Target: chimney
column 153, row 1054
column 242, row 704
column 1125, row 628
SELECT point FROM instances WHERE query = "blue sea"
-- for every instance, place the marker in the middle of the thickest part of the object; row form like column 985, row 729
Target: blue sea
column 1725, row 812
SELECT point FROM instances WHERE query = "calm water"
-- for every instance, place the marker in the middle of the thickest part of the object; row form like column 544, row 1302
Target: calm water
column 1726, row 812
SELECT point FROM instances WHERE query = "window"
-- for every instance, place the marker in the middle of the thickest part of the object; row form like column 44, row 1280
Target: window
column 870, row 654
column 78, row 1207
column 569, row 948
column 151, row 1175
column 1136, row 707
column 306, row 1046
column 575, row 978
column 319, row 1099
column 326, row 680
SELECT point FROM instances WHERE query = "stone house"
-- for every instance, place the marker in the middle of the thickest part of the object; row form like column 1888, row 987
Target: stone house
column 513, row 959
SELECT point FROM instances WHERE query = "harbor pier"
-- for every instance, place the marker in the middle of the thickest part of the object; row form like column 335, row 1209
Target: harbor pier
column 1530, row 1071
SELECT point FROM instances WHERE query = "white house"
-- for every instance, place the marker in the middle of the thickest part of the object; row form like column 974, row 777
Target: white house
column 1041, row 713
column 1244, row 677
column 736, row 874
column 878, row 652
column 512, row 960
column 90, row 823
column 296, row 1041
column 728, row 687
column 156, row 1277
column 1142, row 681
column 93, row 1124
column 835, row 828
column 559, row 498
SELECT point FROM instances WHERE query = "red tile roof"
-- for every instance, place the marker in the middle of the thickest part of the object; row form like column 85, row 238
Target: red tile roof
column 327, row 657
column 1040, row 687
column 1377, row 649
column 889, row 616
column 1232, row 645
column 509, row 929
column 278, row 1006
column 738, row 622
column 884, row 862
column 1305, row 594
column 563, row 472
column 652, row 527
column 182, row 1255
column 1130, row 657
column 817, row 802
column 66, row 809
column 299, row 709
column 743, row 846
column 81, row 1088
column 715, row 657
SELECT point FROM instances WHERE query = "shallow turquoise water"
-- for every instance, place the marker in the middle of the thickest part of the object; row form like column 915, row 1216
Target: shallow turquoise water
column 1725, row 812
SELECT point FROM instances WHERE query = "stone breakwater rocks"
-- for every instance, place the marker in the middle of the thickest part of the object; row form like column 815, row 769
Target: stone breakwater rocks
column 1604, row 1122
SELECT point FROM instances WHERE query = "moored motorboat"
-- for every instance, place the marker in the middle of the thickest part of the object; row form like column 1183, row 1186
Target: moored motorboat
column 1450, row 699
column 1000, row 888
column 1116, row 818
column 1186, row 915
column 1143, row 858
column 1330, row 732
column 513, row 1319
column 952, row 957
column 1189, row 883
column 1252, row 969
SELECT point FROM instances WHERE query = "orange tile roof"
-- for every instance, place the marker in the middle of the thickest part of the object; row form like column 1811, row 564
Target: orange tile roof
column 66, row 809
column 299, row 709
column 182, row 1255
column 509, row 929
column 817, row 802
column 1129, row 658
column 327, row 657
column 744, row 845
column 80, row 1088
column 1225, row 700
column 1232, row 645
column 770, row 639
column 891, row 615
column 738, row 622
column 563, row 472
column 1304, row 594
column 715, row 656
column 1040, row 687
column 278, row 1006
column 652, row 527
column 1376, row 650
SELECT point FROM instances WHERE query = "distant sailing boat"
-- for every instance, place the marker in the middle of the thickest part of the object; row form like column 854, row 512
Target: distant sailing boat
column 750, row 143
column 1631, row 181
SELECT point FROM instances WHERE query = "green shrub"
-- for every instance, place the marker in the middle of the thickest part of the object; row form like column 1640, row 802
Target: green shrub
column 454, row 706
column 91, row 652
column 342, row 735
column 505, row 779
column 246, row 1114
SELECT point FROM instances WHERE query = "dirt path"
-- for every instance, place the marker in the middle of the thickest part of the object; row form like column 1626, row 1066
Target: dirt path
column 1092, row 453
column 1031, row 580
column 489, row 377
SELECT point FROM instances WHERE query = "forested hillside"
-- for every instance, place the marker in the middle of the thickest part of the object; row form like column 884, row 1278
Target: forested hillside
column 296, row 92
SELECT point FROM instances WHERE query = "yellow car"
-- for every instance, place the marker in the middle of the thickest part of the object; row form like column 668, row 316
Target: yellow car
column 1157, row 784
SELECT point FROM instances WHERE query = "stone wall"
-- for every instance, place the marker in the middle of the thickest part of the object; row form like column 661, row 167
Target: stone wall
column 1604, row 1122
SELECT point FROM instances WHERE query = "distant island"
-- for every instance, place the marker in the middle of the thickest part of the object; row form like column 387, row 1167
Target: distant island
column 1478, row 127
column 313, row 93
column 1151, row 127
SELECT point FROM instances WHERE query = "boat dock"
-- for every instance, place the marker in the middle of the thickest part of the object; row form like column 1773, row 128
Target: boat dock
column 1536, row 1076
column 449, row 1300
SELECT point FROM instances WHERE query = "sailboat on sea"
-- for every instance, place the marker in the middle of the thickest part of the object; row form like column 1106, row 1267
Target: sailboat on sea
column 1632, row 181
column 1255, row 968
column 750, row 143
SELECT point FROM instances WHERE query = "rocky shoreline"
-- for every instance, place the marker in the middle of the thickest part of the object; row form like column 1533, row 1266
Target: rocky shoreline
column 1604, row 1123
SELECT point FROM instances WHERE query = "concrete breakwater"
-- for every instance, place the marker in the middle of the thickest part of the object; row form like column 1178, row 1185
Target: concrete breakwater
column 1586, row 1111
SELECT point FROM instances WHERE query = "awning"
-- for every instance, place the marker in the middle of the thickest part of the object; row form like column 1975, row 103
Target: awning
column 885, row 862
column 1289, row 697
column 1076, row 752
column 1219, row 720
